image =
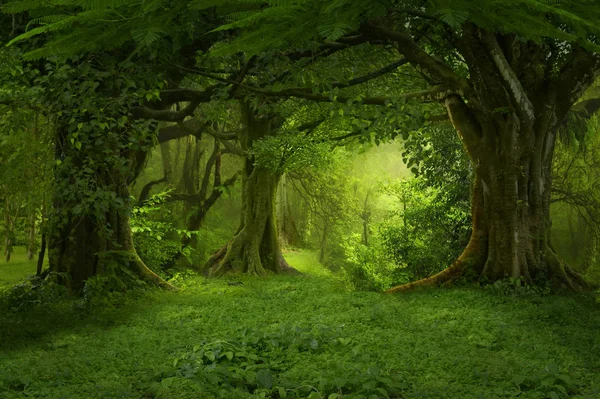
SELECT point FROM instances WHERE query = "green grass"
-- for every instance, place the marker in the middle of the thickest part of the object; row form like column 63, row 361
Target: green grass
column 311, row 334
column 306, row 262
column 17, row 269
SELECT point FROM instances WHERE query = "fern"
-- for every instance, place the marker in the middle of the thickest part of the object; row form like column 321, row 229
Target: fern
column 147, row 36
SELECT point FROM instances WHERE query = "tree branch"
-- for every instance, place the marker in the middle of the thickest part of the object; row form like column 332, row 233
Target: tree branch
column 207, row 170
column 587, row 108
column 166, row 115
column 435, row 93
column 188, row 128
column 512, row 82
column 420, row 59
column 575, row 78
column 145, row 193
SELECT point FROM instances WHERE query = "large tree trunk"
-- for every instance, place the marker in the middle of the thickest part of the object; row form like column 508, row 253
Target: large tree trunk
column 507, row 114
column 511, row 216
column 255, row 247
column 80, row 249
column 83, row 243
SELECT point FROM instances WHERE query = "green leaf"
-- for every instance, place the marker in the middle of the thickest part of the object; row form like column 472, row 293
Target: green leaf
column 265, row 378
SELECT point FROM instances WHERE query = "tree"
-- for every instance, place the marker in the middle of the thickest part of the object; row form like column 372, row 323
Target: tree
column 255, row 247
column 100, row 142
column 507, row 76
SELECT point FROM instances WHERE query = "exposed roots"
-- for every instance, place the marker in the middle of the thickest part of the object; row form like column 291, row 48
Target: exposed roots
column 446, row 276
column 471, row 260
column 238, row 257
column 139, row 267
column 561, row 275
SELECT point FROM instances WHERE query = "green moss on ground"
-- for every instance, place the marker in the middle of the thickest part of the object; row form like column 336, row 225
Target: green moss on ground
column 297, row 336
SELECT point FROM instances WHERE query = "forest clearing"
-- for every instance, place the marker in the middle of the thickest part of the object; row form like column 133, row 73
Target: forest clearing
column 300, row 199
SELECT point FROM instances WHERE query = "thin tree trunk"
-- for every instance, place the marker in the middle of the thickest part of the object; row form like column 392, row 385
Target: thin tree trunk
column 31, row 245
column 41, row 255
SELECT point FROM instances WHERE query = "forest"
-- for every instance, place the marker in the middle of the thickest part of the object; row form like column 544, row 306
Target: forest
column 317, row 199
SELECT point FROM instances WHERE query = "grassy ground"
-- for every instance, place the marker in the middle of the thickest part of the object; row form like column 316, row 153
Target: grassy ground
column 305, row 336
column 18, row 267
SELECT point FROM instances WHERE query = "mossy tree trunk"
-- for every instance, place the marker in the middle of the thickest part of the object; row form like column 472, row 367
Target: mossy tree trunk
column 87, row 231
column 255, row 248
column 288, row 232
column 507, row 116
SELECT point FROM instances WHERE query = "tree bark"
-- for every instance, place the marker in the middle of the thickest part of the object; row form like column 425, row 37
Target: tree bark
column 507, row 114
column 255, row 247
column 41, row 255
column 81, row 244
column 31, row 244
column 288, row 231
column 9, row 223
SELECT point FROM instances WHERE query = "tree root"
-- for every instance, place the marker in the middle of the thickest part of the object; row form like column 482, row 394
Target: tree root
column 219, row 264
column 562, row 276
column 446, row 276
column 139, row 267
column 285, row 267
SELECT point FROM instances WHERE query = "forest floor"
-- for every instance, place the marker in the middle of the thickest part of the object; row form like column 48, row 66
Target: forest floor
column 304, row 336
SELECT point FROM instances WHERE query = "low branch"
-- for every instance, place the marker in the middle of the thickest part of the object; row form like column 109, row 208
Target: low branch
column 229, row 147
column 205, row 74
column 419, row 58
column 587, row 108
column 188, row 128
column 575, row 77
column 361, row 79
column 167, row 115
column 145, row 193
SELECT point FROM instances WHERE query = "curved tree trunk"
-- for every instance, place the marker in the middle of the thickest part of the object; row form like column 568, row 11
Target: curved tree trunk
column 510, row 208
column 255, row 247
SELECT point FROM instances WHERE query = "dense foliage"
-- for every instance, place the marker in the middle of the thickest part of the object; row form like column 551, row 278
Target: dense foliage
column 267, row 164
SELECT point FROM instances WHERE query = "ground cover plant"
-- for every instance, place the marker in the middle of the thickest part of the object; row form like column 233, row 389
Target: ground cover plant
column 306, row 336
column 299, row 198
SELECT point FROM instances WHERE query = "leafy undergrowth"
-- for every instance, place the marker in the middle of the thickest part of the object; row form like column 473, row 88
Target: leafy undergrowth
column 305, row 336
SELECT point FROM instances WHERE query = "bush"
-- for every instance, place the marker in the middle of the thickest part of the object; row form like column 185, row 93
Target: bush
column 156, row 241
column 369, row 268
column 32, row 292
column 430, row 230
